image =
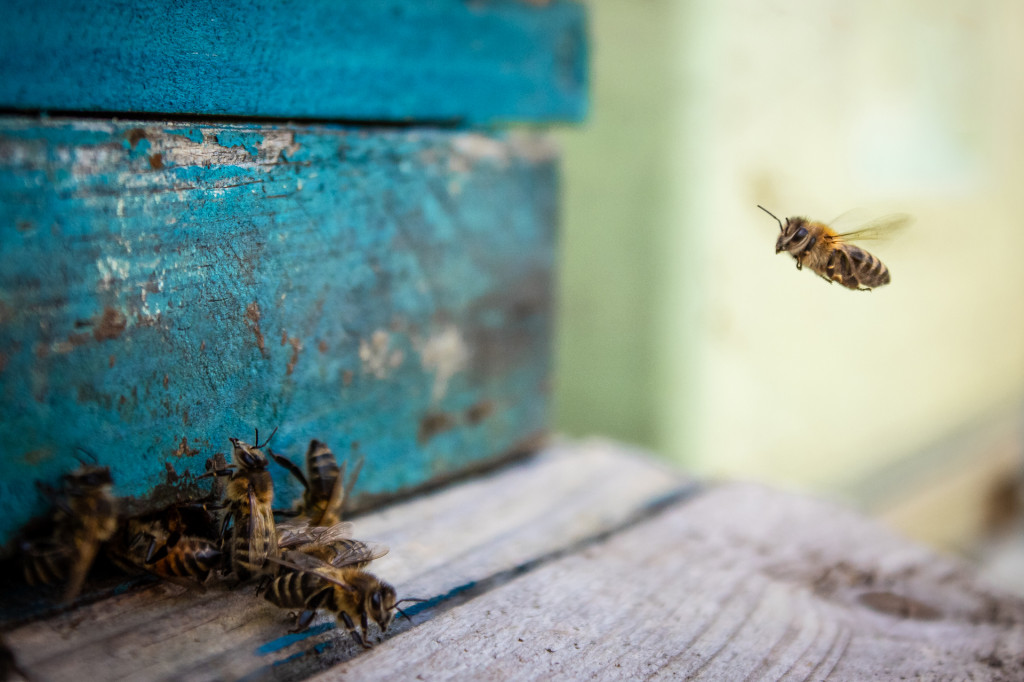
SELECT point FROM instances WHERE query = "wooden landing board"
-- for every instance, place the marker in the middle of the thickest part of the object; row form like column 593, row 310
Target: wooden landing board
column 738, row 583
column 443, row 546
column 587, row 562
column 448, row 61
column 164, row 287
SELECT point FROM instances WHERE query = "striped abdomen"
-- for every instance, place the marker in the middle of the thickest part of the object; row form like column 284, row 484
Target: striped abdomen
column 188, row 558
column 294, row 589
column 855, row 268
column 46, row 566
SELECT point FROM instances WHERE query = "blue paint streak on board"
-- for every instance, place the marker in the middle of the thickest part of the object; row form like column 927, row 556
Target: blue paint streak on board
column 286, row 641
column 160, row 296
column 396, row 60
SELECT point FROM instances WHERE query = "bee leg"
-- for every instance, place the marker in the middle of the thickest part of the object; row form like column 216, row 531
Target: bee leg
column 807, row 249
column 351, row 627
column 287, row 464
column 224, row 524
column 303, row 621
column 262, row 584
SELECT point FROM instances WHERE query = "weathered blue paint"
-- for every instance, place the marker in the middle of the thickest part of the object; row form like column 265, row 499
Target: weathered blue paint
column 396, row 60
column 166, row 286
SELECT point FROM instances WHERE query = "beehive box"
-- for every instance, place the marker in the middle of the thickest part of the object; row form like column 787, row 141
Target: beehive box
column 223, row 216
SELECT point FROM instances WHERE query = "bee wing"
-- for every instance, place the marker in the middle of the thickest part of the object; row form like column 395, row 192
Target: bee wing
column 295, row 533
column 258, row 529
column 353, row 552
column 337, row 497
column 328, row 534
column 295, row 562
column 87, row 549
column 883, row 227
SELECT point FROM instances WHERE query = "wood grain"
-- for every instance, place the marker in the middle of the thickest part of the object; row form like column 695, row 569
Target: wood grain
column 739, row 583
column 586, row 562
column 443, row 546
column 446, row 61
column 164, row 287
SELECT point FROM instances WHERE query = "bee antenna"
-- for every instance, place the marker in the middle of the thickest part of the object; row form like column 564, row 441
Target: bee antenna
column 92, row 456
column 781, row 228
column 258, row 446
column 400, row 601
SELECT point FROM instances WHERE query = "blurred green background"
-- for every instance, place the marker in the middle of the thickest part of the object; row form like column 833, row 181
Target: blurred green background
column 682, row 331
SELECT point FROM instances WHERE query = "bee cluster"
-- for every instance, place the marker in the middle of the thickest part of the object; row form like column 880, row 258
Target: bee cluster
column 306, row 562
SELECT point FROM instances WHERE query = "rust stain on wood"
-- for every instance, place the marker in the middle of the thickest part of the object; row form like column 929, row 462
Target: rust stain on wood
column 156, row 161
column 183, row 450
column 134, row 136
column 479, row 411
column 110, row 326
column 296, row 345
column 252, row 321
column 432, row 424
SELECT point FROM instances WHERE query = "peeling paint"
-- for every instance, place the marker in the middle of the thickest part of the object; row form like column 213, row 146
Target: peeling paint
column 444, row 353
column 377, row 356
column 411, row 297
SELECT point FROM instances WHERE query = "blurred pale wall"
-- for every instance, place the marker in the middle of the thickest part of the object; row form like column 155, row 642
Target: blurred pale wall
column 683, row 331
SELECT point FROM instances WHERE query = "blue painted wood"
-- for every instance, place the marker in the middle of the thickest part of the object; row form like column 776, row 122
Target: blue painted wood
column 401, row 60
column 166, row 286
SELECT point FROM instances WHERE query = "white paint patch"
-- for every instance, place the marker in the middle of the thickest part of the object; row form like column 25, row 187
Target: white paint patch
column 377, row 356
column 444, row 353
column 112, row 270
column 532, row 147
column 275, row 144
column 471, row 148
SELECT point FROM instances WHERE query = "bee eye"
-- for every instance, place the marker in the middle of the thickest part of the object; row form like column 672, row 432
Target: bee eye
column 800, row 233
column 375, row 600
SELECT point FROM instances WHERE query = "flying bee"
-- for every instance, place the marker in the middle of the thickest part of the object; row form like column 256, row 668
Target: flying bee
column 325, row 491
column 177, row 542
column 330, row 575
column 84, row 517
column 249, row 497
column 831, row 255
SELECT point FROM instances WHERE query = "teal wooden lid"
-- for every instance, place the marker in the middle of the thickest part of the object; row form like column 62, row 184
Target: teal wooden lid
column 448, row 61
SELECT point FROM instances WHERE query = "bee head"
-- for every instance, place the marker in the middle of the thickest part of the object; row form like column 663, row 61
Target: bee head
column 380, row 604
column 87, row 478
column 790, row 233
column 793, row 235
column 247, row 456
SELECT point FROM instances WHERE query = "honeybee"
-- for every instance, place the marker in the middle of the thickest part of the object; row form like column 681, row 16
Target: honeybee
column 177, row 542
column 325, row 490
column 329, row 574
column 249, row 497
column 84, row 517
column 831, row 255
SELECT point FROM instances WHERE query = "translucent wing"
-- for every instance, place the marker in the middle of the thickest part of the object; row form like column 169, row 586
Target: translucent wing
column 296, row 532
column 880, row 228
column 329, row 534
column 259, row 531
column 339, row 553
